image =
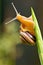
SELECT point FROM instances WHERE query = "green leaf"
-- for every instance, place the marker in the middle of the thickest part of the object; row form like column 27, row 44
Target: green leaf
column 38, row 35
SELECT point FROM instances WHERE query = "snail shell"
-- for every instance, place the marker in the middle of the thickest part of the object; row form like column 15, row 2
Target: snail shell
column 27, row 37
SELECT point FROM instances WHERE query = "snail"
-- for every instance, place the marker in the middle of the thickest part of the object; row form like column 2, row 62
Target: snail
column 26, row 28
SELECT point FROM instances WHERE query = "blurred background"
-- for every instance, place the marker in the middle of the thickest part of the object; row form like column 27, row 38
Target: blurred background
column 25, row 54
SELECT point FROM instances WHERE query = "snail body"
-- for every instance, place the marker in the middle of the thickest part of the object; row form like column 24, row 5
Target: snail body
column 26, row 23
column 26, row 27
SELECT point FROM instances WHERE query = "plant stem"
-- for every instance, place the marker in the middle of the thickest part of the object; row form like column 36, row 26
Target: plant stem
column 38, row 35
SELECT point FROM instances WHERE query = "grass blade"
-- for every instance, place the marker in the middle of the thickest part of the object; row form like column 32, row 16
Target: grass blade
column 38, row 37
